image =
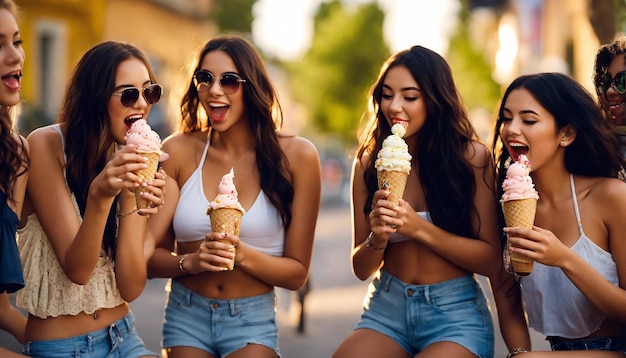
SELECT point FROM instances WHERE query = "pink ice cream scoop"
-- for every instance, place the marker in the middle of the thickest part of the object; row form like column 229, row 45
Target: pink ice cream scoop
column 227, row 196
column 518, row 184
column 141, row 135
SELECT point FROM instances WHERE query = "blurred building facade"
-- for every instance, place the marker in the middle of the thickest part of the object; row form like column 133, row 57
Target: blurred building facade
column 528, row 36
column 57, row 32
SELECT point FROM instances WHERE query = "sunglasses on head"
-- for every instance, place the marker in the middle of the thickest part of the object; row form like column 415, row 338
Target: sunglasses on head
column 618, row 82
column 130, row 95
column 229, row 82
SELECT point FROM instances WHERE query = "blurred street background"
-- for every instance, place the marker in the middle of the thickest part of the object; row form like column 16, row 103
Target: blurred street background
column 315, row 53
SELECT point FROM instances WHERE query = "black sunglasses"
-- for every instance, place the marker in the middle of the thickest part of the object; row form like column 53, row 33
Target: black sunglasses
column 618, row 82
column 130, row 95
column 229, row 82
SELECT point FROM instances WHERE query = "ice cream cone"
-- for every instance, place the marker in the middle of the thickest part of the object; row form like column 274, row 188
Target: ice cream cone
column 146, row 174
column 395, row 182
column 226, row 220
column 520, row 213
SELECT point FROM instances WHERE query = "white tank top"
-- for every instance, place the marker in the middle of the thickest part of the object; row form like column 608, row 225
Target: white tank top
column 261, row 225
column 554, row 305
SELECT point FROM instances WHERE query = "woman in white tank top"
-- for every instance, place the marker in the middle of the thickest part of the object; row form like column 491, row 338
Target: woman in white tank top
column 576, row 294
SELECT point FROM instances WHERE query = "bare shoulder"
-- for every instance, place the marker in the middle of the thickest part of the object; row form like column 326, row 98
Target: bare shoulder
column 298, row 149
column 610, row 192
column 180, row 145
column 44, row 141
column 478, row 154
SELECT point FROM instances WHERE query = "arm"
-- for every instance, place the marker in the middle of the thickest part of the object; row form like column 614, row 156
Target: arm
column 76, row 244
column 365, row 260
column 11, row 320
column 511, row 317
column 291, row 270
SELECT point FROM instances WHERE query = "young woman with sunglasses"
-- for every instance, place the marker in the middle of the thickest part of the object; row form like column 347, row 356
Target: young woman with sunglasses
column 423, row 299
column 13, row 171
column 609, row 76
column 84, row 247
column 231, row 118
column 576, row 293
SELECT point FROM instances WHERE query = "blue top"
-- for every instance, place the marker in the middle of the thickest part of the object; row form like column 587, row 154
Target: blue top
column 11, row 278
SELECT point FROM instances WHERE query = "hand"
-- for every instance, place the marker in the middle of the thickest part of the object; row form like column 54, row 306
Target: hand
column 539, row 244
column 118, row 173
column 383, row 217
column 217, row 251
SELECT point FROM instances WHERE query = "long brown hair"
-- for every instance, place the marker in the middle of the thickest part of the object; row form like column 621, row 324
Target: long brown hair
column 14, row 159
column 261, row 107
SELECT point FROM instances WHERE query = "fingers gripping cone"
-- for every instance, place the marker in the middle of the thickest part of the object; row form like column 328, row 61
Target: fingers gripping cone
column 520, row 213
column 228, row 221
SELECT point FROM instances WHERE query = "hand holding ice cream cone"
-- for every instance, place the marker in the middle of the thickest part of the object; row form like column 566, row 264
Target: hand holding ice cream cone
column 148, row 143
column 519, row 204
column 393, row 164
column 225, row 212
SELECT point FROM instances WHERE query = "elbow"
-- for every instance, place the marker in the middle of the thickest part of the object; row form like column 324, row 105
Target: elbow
column 78, row 278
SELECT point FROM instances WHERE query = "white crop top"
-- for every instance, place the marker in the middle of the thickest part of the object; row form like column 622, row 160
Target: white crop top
column 48, row 291
column 261, row 225
column 554, row 305
column 393, row 238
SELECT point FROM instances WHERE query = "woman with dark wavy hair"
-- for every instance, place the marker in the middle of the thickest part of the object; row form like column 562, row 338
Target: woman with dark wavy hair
column 14, row 164
column 84, row 244
column 231, row 120
column 424, row 299
column 576, row 293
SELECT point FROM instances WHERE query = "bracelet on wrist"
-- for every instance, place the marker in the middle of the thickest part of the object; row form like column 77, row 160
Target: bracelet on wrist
column 180, row 263
column 369, row 245
column 121, row 215
column 516, row 351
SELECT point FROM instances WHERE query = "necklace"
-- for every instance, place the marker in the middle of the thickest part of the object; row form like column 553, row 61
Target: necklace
column 243, row 155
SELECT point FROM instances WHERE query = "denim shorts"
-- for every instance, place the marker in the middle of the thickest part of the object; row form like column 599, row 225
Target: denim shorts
column 219, row 327
column 617, row 344
column 119, row 340
column 416, row 316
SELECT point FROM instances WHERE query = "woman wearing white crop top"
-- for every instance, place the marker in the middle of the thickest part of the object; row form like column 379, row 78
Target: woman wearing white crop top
column 424, row 299
column 212, row 312
column 576, row 294
column 83, row 243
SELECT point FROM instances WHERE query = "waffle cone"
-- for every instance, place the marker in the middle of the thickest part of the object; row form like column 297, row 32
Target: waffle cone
column 397, row 183
column 226, row 220
column 146, row 174
column 520, row 213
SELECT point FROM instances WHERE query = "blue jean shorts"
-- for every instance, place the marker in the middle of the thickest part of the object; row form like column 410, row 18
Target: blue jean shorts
column 416, row 316
column 219, row 327
column 617, row 344
column 118, row 340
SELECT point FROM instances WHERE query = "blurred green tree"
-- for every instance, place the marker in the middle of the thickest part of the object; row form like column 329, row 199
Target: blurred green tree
column 233, row 15
column 334, row 76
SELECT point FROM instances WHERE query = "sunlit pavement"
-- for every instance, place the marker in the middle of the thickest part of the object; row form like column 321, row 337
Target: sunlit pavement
column 331, row 308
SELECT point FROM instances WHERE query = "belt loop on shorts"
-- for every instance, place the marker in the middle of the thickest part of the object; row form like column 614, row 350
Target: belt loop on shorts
column 427, row 294
column 233, row 308
column 188, row 294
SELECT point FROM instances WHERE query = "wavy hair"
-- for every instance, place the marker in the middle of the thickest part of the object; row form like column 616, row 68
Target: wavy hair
column 14, row 159
column 261, row 107
column 85, row 119
column 442, row 142
column 604, row 56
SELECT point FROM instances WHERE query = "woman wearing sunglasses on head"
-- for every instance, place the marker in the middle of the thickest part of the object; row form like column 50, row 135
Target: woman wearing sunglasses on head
column 83, row 247
column 13, row 172
column 231, row 119
column 609, row 77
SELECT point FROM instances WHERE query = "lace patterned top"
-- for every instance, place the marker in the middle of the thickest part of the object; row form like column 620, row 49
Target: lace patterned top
column 48, row 292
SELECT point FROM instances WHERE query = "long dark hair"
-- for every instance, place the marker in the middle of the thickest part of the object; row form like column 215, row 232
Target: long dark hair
column 14, row 159
column 261, row 107
column 442, row 142
column 86, row 122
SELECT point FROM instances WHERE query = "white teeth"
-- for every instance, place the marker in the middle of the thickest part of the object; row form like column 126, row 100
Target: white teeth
column 517, row 145
column 215, row 105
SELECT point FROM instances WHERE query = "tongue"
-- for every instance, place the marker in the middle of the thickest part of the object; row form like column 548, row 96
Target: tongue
column 11, row 82
column 218, row 113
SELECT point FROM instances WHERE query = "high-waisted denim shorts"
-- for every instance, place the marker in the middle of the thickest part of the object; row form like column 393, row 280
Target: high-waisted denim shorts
column 118, row 340
column 617, row 344
column 219, row 327
column 416, row 316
